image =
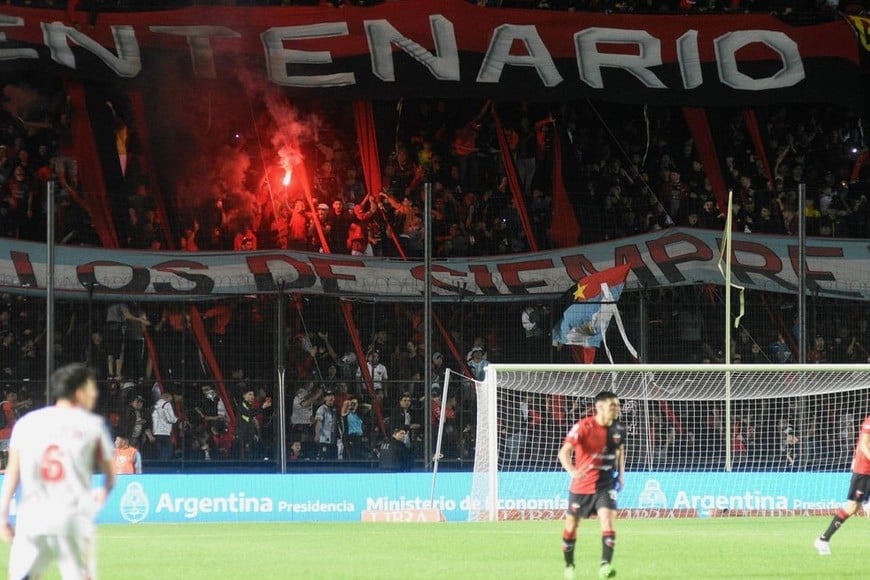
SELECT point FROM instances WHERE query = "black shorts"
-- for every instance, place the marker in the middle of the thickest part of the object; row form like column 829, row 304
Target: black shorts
column 586, row 505
column 114, row 339
column 859, row 488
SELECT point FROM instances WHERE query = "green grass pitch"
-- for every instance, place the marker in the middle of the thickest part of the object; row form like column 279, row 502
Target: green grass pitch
column 735, row 548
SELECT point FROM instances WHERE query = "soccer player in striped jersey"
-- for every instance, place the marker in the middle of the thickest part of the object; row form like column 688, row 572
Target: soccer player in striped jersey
column 859, row 488
column 594, row 457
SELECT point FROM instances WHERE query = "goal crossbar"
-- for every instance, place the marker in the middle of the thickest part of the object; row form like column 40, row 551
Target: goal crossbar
column 657, row 381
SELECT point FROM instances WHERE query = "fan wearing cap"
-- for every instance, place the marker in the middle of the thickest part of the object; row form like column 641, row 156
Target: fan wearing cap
column 319, row 217
column 326, row 427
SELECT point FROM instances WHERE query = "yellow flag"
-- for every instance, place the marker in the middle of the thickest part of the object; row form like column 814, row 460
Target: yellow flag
column 861, row 25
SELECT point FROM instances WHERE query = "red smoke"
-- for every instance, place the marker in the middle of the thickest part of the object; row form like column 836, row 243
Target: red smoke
column 234, row 142
column 289, row 130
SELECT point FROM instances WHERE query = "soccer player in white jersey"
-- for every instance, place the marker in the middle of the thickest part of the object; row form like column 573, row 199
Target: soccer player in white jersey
column 53, row 454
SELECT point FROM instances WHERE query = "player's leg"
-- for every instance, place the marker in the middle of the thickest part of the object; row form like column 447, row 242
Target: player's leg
column 859, row 487
column 605, row 507
column 607, row 517
column 75, row 557
column 569, row 532
column 29, row 557
column 569, row 539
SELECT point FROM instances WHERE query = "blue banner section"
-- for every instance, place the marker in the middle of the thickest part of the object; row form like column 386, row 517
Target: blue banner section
column 705, row 492
column 273, row 498
column 344, row 496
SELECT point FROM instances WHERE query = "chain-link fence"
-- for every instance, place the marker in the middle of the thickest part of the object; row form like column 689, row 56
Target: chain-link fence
column 139, row 350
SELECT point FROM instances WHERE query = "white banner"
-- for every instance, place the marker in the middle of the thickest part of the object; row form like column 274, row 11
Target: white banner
column 835, row 268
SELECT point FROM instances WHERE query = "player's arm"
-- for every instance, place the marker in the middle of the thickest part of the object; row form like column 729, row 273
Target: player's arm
column 620, row 466
column 100, row 494
column 864, row 444
column 103, row 453
column 109, row 475
column 11, row 478
column 565, row 458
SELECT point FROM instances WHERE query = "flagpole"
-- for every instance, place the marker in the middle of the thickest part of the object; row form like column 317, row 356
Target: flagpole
column 726, row 246
column 427, row 324
column 49, row 288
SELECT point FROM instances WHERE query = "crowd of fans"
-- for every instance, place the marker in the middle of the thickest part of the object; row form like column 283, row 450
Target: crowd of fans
column 624, row 180
column 628, row 170
column 334, row 413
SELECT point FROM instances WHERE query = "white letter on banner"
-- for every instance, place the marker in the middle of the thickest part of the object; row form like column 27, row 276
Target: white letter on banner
column 278, row 57
column 499, row 54
column 590, row 61
column 690, row 60
column 127, row 64
column 729, row 43
column 14, row 53
column 199, row 41
column 444, row 64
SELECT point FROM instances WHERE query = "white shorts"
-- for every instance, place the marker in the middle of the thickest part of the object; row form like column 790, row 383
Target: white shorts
column 32, row 555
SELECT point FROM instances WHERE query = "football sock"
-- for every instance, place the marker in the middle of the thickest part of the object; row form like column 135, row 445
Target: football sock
column 835, row 524
column 568, row 541
column 608, row 541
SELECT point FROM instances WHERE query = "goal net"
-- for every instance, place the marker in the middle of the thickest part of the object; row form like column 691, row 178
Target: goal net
column 701, row 439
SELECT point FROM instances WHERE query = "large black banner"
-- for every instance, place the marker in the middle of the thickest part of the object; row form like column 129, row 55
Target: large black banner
column 451, row 48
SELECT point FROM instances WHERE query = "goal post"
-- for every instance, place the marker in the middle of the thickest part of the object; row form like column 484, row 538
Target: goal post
column 789, row 439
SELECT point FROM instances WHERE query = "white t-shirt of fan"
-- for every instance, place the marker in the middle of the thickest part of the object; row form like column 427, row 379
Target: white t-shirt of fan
column 59, row 447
